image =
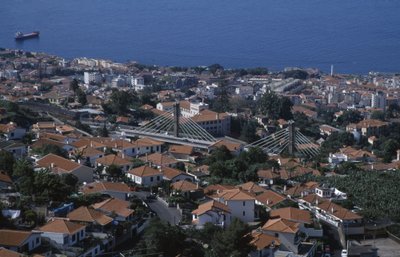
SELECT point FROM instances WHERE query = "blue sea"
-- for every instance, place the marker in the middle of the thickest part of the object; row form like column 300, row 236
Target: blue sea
column 356, row 36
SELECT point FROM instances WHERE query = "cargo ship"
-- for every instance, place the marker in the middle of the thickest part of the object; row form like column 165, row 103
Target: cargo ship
column 21, row 36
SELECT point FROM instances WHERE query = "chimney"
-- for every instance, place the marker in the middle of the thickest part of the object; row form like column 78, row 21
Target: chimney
column 52, row 165
column 123, row 155
column 284, row 188
column 398, row 155
column 332, row 209
column 147, row 158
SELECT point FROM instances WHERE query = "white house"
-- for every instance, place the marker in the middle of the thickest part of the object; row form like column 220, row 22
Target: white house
column 286, row 231
column 19, row 241
column 240, row 202
column 213, row 212
column 113, row 189
column 175, row 175
column 11, row 131
column 63, row 232
column 18, row 149
column 145, row 176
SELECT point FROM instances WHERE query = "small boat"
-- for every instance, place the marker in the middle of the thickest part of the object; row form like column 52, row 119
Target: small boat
column 21, row 36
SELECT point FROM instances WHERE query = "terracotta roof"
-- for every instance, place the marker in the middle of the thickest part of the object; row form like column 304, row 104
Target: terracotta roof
column 267, row 174
column 118, row 206
column 300, row 189
column 252, row 187
column 292, row 214
column 98, row 187
column 89, row 151
column 119, row 144
column 8, row 253
column 5, row 128
column 5, row 178
column 57, row 163
column 217, row 188
column 147, row 142
column 231, row 146
column 52, row 136
column 211, row 206
column 14, row 238
column 313, row 199
column 44, row 125
column 203, row 169
column 144, row 171
column 263, row 241
column 207, row 115
column 88, row 142
column 122, row 119
column 62, row 226
column 64, row 128
column 236, row 195
column 270, row 198
column 113, row 159
column 181, row 149
column 281, row 225
column 368, row 123
column 41, row 142
column 184, row 186
column 85, row 214
column 338, row 211
column 159, row 159
column 355, row 153
column 171, row 173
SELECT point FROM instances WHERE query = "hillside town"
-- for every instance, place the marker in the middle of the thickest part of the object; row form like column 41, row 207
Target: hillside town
column 99, row 158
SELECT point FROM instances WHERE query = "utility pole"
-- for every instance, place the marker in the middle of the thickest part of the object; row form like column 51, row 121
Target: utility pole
column 176, row 119
column 292, row 136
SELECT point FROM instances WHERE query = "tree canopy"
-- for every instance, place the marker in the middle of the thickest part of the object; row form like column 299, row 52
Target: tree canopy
column 275, row 107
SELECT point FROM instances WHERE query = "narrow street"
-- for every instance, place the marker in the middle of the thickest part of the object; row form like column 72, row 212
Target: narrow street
column 169, row 214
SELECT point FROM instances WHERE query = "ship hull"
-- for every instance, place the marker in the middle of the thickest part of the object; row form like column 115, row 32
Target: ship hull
column 27, row 36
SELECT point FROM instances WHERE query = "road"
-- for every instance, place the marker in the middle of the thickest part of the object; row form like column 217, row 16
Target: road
column 169, row 214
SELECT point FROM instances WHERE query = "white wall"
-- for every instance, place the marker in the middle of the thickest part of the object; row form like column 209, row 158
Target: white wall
column 238, row 209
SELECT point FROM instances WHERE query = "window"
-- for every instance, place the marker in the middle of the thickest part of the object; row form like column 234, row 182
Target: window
column 37, row 240
column 151, row 179
column 244, row 213
column 158, row 178
column 244, row 203
column 73, row 237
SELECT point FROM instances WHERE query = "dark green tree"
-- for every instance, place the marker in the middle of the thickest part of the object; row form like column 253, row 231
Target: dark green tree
column 103, row 132
column 114, row 171
column 74, row 85
column 221, row 102
column 349, row 116
column 81, row 97
column 221, row 153
column 275, row 107
column 248, row 131
column 164, row 238
column 234, row 241
column 51, row 149
column 378, row 115
column 6, row 162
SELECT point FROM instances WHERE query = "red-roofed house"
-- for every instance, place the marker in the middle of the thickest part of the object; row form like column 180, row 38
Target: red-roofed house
column 214, row 212
column 145, row 176
column 60, row 165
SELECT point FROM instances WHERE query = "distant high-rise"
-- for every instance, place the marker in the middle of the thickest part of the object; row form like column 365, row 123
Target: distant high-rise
column 378, row 100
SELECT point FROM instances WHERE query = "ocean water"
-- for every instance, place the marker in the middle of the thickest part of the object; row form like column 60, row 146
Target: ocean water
column 356, row 36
